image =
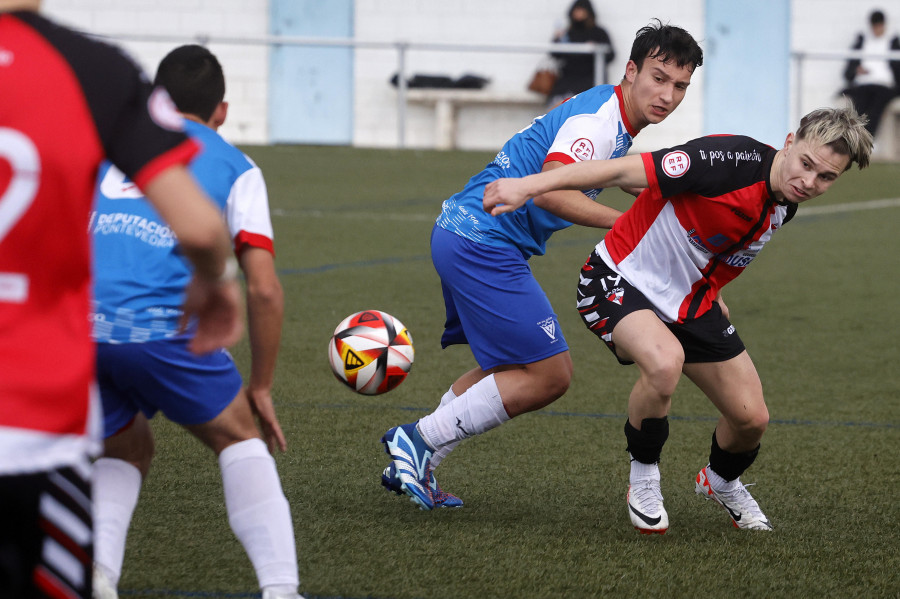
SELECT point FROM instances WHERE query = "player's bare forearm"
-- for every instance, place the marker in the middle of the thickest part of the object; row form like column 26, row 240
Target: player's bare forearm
column 578, row 209
column 507, row 195
column 265, row 313
column 194, row 219
column 634, row 191
column 213, row 296
column 264, row 321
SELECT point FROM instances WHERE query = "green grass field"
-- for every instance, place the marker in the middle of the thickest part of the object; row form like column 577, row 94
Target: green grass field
column 545, row 513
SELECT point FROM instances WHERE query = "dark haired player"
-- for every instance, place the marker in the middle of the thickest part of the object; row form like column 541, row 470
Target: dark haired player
column 652, row 288
column 66, row 102
column 493, row 302
column 143, row 365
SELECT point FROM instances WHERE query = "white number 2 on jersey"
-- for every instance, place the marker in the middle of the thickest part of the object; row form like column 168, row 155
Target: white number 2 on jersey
column 22, row 155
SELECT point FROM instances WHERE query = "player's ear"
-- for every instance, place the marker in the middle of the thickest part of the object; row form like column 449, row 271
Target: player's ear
column 219, row 115
column 631, row 71
column 788, row 140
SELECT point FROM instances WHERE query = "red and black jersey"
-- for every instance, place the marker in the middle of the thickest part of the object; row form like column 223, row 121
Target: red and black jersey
column 65, row 102
column 707, row 212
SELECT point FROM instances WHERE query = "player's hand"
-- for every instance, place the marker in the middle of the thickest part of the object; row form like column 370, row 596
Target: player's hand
column 725, row 311
column 261, row 404
column 505, row 195
column 217, row 309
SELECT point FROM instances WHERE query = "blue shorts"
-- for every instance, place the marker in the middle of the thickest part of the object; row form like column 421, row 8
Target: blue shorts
column 493, row 303
column 163, row 375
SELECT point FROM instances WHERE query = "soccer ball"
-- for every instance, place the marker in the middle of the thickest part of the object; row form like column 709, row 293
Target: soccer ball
column 371, row 352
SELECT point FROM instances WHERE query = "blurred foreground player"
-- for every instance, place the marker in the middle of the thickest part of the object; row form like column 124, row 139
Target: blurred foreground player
column 651, row 290
column 143, row 364
column 49, row 419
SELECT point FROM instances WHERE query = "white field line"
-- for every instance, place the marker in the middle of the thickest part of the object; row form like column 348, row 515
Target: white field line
column 849, row 207
column 805, row 211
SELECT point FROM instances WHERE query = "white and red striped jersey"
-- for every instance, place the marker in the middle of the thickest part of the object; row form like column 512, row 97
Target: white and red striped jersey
column 708, row 211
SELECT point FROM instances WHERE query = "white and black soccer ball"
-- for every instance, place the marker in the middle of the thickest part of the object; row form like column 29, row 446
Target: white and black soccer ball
column 371, row 352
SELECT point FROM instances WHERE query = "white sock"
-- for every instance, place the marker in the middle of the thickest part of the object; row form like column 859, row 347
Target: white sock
column 116, row 486
column 641, row 471
column 442, row 453
column 258, row 512
column 476, row 411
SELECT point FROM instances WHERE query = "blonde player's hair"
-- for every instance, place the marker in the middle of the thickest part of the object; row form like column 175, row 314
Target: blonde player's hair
column 843, row 129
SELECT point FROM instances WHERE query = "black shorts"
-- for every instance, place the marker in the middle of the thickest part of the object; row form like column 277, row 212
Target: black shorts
column 46, row 535
column 605, row 298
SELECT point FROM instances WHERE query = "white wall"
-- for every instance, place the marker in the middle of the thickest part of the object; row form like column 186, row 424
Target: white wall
column 502, row 22
column 816, row 25
column 826, row 26
column 246, row 67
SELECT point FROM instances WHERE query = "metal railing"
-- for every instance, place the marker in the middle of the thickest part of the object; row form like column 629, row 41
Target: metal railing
column 800, row 58
column 401, row 47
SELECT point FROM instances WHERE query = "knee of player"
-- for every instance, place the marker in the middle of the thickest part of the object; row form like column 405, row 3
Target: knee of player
column 663, row 374
column 557, row 381
column 751, row 421
column 760, row 421
column 559, row 385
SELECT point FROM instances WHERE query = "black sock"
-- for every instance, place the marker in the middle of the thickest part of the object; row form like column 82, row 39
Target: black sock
column 646, row 445
column 730, row 465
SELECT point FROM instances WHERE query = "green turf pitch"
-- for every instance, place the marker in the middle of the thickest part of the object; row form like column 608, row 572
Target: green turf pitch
column 545, row 508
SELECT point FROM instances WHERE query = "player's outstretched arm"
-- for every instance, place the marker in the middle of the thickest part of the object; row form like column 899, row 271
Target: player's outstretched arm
column 576, row 207
column 213, row 296
column 508, row 195
column 265, row 310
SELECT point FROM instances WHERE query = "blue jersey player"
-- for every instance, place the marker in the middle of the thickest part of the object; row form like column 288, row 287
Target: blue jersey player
column 492, row 300
column 143, row 361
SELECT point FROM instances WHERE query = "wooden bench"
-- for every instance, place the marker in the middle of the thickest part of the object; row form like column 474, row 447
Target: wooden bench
column 447, row 101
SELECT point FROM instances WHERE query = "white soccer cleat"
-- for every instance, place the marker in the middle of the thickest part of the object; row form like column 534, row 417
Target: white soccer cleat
column 270, row 594
column 645, row 507
column 103, row 586
column 740, row 505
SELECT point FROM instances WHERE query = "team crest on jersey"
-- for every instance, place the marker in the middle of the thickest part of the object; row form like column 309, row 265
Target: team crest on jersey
column 162, row 110
column 116, row 186
column 616, row 295
column 583, row 149
column 675, row 164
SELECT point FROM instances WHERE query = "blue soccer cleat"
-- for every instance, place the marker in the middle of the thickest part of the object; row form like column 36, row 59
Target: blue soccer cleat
column 411, row 460
column 440, row 497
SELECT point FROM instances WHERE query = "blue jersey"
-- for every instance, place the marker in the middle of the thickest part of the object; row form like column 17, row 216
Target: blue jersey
column 139, row 272
column 589, row 126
